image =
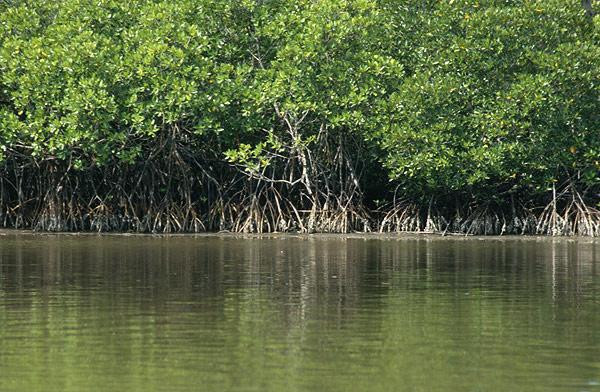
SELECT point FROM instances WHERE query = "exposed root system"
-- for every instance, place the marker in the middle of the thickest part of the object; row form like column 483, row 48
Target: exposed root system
column 303, row 192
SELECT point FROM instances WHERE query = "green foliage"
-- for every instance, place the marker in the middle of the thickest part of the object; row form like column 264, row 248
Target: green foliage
column 104, row 78
column 501, row 95
column 460, row 97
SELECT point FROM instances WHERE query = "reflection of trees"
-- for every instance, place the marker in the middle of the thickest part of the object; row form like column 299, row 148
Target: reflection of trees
column 290, row 302
column 305, row 275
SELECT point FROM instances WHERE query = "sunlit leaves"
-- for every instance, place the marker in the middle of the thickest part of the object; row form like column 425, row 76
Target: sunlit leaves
column 498, row 91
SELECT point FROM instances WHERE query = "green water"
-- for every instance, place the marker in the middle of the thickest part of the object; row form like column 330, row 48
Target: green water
column 333, row 313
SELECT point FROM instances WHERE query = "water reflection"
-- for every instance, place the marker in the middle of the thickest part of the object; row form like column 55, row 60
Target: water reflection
column 289, row 312
column 291, row 269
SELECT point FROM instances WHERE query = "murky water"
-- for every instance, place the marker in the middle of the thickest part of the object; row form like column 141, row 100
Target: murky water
column 209, row 313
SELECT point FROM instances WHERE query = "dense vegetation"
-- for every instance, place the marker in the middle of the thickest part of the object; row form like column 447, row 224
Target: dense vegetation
column 276, row 115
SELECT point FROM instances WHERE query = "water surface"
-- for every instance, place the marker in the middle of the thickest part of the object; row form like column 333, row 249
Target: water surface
column 298, row 313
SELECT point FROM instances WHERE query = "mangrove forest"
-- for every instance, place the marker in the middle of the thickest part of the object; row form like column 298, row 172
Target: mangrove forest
column 161, row 116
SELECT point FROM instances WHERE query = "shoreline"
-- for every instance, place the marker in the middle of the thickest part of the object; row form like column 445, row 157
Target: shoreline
column 319, row 236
